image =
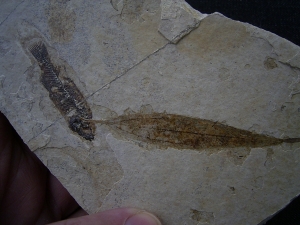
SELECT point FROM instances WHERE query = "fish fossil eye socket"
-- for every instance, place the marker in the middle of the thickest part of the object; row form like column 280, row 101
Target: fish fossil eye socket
column 81, row 127
column 75, row 123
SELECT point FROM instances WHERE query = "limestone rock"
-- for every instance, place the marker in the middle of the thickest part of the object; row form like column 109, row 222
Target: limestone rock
column 178, row 19
column 101, row 60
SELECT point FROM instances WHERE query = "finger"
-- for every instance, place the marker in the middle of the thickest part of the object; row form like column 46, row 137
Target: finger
column 122, row 216
column 29, row 193
column 77, row 213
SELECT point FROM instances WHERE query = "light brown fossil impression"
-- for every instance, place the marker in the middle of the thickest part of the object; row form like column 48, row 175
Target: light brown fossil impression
column 182, row 132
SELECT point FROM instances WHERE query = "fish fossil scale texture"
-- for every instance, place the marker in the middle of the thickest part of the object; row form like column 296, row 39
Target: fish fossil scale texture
column 64, row 93
column 181, row 132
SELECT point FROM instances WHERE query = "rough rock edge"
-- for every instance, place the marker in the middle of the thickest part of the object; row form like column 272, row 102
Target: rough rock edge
column 177, row 26
column 178, row 18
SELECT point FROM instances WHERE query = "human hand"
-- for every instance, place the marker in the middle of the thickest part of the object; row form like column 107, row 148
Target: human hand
column 30, row 194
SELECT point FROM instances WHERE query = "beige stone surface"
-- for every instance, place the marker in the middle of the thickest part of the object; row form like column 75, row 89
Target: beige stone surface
column 132, row 56
column 178, row 19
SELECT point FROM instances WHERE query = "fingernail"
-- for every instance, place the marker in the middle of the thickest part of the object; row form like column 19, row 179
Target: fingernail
column 142, row 218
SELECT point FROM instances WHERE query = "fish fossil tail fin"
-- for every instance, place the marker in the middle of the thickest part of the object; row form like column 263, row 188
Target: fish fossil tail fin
column 291, row 140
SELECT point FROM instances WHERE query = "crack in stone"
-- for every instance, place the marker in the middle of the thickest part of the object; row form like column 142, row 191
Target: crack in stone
column 11, row 12
column 267, row 41
column 287, row 62
column 289, row 65
column 127, row 70
column 124, row 73
column 44, row 130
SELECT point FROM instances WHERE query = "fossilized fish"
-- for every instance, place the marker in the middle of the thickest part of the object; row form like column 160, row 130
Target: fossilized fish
column 64, row 93
column 182, row 132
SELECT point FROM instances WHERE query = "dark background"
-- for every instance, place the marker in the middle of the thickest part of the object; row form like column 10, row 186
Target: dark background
column 277, row 16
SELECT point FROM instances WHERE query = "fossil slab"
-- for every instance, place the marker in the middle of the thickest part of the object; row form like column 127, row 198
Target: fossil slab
column 151, row 104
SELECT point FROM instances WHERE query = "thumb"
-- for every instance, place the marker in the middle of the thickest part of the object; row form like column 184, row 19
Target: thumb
column 122, row 216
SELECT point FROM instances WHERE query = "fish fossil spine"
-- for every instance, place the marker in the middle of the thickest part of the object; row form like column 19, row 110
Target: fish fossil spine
column 64, row 93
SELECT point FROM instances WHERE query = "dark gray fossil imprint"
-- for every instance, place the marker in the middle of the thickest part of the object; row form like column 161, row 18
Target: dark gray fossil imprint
column 64, row 93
